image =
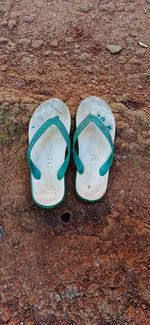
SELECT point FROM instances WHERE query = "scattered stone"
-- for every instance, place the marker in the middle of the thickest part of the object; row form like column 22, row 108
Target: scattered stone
column 69, row 40
column 130, row 41
column 47, row 53
column 113, row 48
column 21, row 54
column 54, row 43
column 3, row 23
column 108, row 7
column 56, row 296
column 27, row 60
column 122, row 59
column 94, row 82
column 76, row 51
column 12, row 23
column 3, row 7
column 133, row 33
column 133, row 61
column 74, row 22
column 76, row 46
column 3, row 40
column 85, row 7
column 55, row 53
column 143, row 45
column 1, row 232
column 11, row 46
column 72, row 293
column 37, row 44
column 140, row 51
column 120, row 7
column 3, row 67
column 25, row 42
column 97, row 39
column 85, row 57
column 28, row 19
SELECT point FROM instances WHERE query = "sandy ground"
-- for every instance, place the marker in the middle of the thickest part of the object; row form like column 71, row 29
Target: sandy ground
column 80, row 264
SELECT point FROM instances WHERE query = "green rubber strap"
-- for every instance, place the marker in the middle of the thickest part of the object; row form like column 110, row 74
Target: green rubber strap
column 57, row 122
column 92, row 118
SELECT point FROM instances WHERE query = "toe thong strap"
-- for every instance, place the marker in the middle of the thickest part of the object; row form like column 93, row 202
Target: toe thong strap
column 57, row 122
column 94, row 119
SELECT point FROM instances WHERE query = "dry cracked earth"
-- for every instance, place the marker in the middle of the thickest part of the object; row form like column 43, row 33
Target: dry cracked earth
column 80, row 264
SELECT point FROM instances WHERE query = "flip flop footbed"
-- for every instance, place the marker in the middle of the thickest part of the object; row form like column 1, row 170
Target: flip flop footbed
column 48, row 153
column 94, row 148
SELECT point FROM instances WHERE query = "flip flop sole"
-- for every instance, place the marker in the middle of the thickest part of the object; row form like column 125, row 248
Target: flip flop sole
column 48, row 153
column 94, row 149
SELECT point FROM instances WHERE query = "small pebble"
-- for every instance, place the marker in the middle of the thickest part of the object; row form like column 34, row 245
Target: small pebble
column 85, row 7
column 113, row 48
column 37, row 44
column 4, row 23
column 11, row 46
column 3, row 67
column 3, row 7
column 143, row 45
column 28, row 19
column 27, row 60
column 54, row 43
column 47, row 53
column 25, row 42
column 85, row 57
column 56, row 297
column 3, row 40
column 12, row 23
column 69, row 40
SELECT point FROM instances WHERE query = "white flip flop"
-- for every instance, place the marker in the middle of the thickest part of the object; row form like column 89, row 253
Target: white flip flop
column 49, row 139
column 95, row 135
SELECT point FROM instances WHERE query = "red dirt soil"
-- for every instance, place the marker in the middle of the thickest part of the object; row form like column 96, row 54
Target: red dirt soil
column 80, row 264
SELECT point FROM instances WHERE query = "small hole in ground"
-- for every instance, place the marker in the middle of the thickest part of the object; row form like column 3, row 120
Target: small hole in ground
column 66, row 217
column 112, row 288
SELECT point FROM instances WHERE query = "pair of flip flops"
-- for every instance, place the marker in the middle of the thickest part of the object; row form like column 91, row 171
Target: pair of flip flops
column 50, row 147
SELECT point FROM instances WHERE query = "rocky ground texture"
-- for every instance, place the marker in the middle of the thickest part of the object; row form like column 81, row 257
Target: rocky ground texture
column 80, row 264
